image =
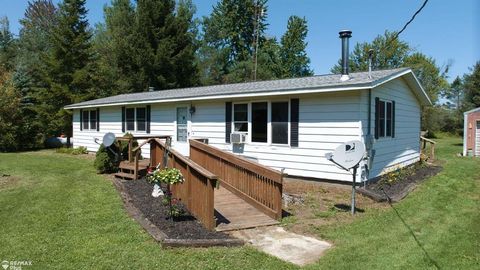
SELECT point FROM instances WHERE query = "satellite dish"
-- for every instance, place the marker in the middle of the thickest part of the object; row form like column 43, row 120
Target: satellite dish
column 108, row 139
column 348, row 154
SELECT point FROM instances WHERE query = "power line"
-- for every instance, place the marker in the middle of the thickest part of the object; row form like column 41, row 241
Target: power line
column 405, row 26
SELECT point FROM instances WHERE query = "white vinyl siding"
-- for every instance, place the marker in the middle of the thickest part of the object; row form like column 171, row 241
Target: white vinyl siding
column 325, row 121
column 404, row 148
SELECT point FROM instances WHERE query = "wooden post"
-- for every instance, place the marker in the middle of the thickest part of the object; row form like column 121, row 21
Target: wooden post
column 135, row 171
column 130, row 154
column 432, row 151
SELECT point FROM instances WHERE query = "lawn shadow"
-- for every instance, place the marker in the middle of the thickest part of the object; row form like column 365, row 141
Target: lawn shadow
column 347, row 208
column 413, row 234
column 457, row 144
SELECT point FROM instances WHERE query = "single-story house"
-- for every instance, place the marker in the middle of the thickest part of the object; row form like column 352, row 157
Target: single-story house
column 471, row 133
column 285, row 124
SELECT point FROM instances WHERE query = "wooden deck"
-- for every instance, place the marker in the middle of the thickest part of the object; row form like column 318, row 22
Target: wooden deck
column 233, row 213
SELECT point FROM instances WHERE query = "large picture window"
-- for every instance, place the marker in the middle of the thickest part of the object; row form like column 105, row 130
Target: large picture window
column 280, row 122
column 259, row 121
column 240, row 117
column 265, row 122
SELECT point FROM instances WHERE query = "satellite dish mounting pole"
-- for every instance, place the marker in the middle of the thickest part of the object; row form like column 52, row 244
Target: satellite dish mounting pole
column 353, row 188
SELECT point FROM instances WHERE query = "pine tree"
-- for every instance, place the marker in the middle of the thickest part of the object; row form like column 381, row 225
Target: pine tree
column 165, row 49
column 472, row 87
column 29, row 76
column 115, row 45
column 70, row 68
column 293, row 56
column 7, row 45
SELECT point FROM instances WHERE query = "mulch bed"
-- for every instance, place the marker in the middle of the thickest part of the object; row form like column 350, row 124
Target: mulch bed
column 185, row 227
column 379, row 189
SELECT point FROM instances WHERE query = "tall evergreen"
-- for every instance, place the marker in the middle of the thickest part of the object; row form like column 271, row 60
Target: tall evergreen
column 295, row 61
column 114, row 42
column 70, row 67
column 472, row 87
column 7, row 45
column 164, row 46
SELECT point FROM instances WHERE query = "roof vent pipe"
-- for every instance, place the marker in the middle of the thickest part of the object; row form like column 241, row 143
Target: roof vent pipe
column 345, row 35
column 370, row 59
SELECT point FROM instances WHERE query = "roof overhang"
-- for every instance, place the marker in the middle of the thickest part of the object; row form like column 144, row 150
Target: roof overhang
column 472, row 111
column 410, row 78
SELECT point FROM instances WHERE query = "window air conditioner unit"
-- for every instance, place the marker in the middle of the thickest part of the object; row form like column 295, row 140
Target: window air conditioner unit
column 238, row 138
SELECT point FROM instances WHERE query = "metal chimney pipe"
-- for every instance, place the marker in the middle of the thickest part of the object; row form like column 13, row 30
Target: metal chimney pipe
column 345, row 35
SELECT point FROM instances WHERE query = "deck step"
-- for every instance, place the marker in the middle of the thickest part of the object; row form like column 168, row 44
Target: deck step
column 125, row 176
column 131, row 166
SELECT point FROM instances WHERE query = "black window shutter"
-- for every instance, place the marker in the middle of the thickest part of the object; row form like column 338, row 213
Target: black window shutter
column 294, row 117
column 228, row 121
column 98, row 119
column 123, row 119
column 393, row 119
column 148, row 118
column 81, row 119
column 377, row 116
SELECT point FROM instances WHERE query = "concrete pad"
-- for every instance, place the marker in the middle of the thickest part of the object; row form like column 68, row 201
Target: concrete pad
column 288, row 246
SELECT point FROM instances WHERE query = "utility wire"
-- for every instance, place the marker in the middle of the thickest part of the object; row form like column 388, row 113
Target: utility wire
column 405, row 26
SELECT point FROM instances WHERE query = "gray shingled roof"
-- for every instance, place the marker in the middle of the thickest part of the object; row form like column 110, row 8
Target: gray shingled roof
column 331, row 81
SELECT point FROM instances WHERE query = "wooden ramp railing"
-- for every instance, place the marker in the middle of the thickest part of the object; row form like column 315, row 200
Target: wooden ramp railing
column 197, row 191
column 258, row 185
column 423, row 149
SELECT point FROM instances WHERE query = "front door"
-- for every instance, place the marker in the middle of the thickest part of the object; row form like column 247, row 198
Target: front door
column 181, row 143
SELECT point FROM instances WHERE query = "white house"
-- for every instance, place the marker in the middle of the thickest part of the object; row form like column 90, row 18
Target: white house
column 288, row 124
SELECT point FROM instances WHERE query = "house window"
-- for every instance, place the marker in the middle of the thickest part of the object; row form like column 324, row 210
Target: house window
column 89, row 119
column 93, row 119
column 85, row 119
column 385, row 116
column 136, row 119
column 280, row 122
column 130, row 117
column 240, row 117
column 259, row 121
column 141, row 119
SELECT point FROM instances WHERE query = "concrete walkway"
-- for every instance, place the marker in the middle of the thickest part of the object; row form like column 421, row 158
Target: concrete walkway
column 291, row 247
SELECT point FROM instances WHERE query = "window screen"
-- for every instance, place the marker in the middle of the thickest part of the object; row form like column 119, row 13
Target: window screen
column 141, row 119
column 259, row 122
column 388, row 123
column 280, row 122
column 381, row 128
column 93, row 119
column 130, row 117
column 240, row 117
column 85, row 119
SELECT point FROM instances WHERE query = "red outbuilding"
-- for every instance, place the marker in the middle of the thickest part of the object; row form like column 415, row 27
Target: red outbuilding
column 471, row 133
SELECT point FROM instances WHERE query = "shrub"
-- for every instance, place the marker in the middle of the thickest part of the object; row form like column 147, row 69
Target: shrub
column 73, row 151
column 124, row 146
column 105, row 161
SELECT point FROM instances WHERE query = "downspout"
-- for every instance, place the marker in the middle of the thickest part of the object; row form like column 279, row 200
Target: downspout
column 369, row 139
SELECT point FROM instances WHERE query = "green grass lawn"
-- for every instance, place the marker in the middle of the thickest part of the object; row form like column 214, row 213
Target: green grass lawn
column 59, row 214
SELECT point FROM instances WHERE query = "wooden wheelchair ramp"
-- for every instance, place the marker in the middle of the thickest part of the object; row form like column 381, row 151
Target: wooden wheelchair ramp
column 233, row 213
